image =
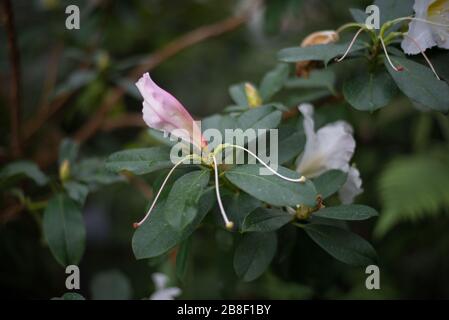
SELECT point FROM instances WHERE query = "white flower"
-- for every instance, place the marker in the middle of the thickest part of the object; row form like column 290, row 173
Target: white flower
column 162, row 293
column 428, row 34
column 331, row 147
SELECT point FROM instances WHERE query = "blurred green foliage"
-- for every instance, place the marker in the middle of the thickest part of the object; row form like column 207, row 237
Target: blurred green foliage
column 402, row 154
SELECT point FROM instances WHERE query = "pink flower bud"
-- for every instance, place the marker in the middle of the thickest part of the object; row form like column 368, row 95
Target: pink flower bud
column 164, row 112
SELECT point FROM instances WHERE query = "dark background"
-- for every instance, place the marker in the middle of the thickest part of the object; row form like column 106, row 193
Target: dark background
column 116, row 36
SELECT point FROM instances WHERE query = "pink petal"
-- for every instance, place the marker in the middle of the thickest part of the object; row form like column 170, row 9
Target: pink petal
column 164, row 112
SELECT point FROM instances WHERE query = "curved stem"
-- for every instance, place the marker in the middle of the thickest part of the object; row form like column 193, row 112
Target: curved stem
column 398, row 20
column 423, row 53
column 138, row 224
column 350, row 25
column 301, row 179
column 350, row 44
column 397, row 69
column 229, row 224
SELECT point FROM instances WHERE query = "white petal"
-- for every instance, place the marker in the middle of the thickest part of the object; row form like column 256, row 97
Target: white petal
column 330, row 148
column 352, row 187
column 418, row 30
column 337, row 144
column 166, row 294
column 441, row 34
column 291, row 210
column 422, row 33
column 438, row 13
column 421, row 7
column 309, row 125
column 160, row 280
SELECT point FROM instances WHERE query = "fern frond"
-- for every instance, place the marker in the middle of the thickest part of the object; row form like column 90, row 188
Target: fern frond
column 411, row 189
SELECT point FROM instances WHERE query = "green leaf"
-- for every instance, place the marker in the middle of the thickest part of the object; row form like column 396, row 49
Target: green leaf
column 111, row 285
column 219, row 122
column 238, row 94
column 343, row 245
column 318, row 79
column 358, row 15
column 239, row 206
column 70, row 296
column 92, row 171
column 182, row 259
column 392, row 9
column 349, row 212
column 265, row 220
column 263, row 117
column 411, row 190
column 68, row 150
column 291, row 143
column 161, row 137
column 254, row 254
column 77, row 191
column 182, row 202
column 273, row 81
column 420, row 84
column 140, row 161
column 28, row 169
column 156, row 236
column 330, row 182
column 369, row 91
column 307, row 96
column 64, row 229
column 324, row 52
column 272, row 189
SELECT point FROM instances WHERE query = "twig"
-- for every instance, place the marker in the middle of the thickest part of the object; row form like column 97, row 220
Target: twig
column 11, row 212
column 124, row 121
column 14, row 58
column 44, row 113
column 172, row 48
column 46, row 108
column 139, row 184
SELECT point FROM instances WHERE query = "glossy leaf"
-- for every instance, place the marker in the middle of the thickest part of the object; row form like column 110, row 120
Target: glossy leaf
column 77, row 191
column 23, row 168
column 92, row 171
column 254, row 254
column 182, row 202
column 140, row 161
column 68, row 150
column 420, row 84
column 64, row 229
column 70, row 296
column 343, row 245
column 263, row 117
column 392, row 9
column 156, row 236
column 317, row 79
column 272, row 189
column 273, row 81
column 347, row 212
column 265, row 220
column 325, row 52
column 182, row 259
column 330, row 182
column 369, row 91
column 238, row 94
column 239, row 205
